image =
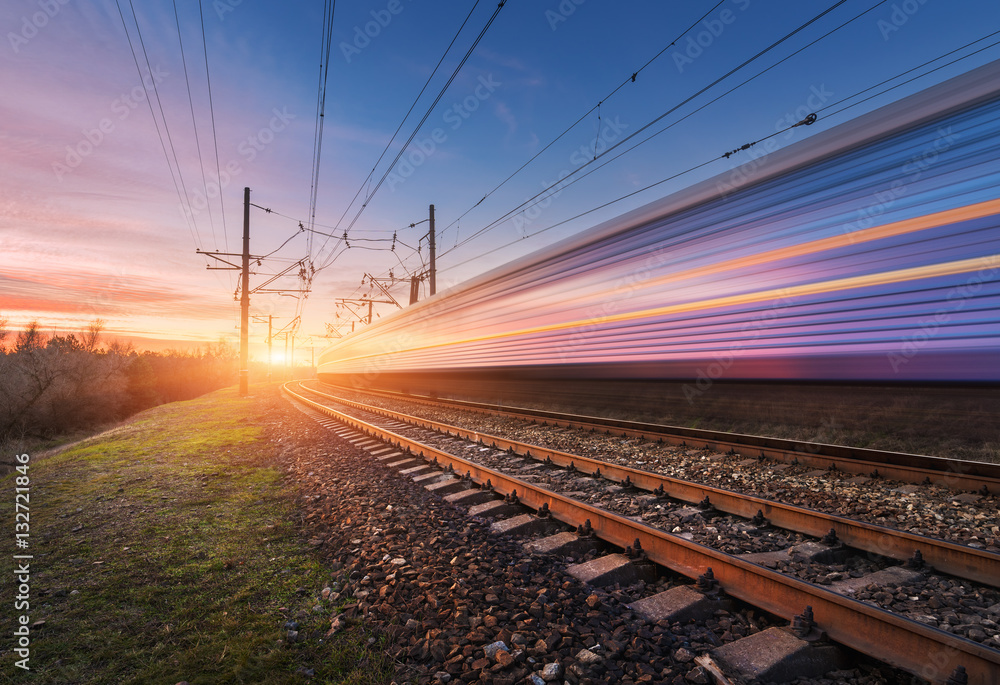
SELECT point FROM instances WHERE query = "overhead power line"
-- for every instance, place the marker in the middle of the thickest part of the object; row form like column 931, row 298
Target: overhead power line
column 159, row 105
column 430, row 109
column 747, row 146
column 194, row 125
column 182, row 196
column 910, row 80
column 406, row 116
column 562, row 182
column 809, row 120
column 628, row 80
column 215, row 138
column 326, row 45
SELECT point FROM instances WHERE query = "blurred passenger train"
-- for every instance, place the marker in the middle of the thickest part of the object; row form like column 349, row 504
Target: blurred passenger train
column 867, row 253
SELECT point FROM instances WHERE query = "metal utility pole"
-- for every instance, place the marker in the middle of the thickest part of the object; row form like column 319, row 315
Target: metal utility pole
column 286, row 330
column 380, row 284
column 245, row 300
column 414, row 289
column 270, row 320
column 333, row 331
column 270, row 323
column 244, row 289
column 359, row 301
column 433, row 268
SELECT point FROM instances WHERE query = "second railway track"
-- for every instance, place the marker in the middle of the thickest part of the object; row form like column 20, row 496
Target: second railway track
column 957, row 474
column 882, row 634
column 947, row 556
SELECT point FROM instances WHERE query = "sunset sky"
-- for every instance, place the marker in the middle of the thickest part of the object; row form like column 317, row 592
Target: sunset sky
column 99, row 219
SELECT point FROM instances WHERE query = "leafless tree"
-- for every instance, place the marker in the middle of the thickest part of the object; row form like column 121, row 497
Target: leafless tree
column 61, row 383
column 92, row 336
column 30, row 339
column 27, row 377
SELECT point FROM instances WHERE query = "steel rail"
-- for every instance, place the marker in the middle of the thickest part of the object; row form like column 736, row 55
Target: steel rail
column 893, row 639
column 956, row 474
column 947, row 557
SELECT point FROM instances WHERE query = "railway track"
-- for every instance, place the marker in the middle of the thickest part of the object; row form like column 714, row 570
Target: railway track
column 963, row 475
column 869, row 629
column 948, row 557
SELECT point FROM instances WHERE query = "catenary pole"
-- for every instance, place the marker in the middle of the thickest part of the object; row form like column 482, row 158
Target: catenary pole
column 245, row 300
column 433, row 268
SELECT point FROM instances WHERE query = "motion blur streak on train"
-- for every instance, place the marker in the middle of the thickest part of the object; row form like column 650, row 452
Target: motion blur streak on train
column 869, row 252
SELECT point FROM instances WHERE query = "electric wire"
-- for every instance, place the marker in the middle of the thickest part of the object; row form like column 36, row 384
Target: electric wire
column 562, row 182
column 433, row 105
column 609, row 203
column 750, row 145
column 726, row 154
column 300, row 301
column 919, row 76
column 194, row 124
column 328, row 12
column 192, row 225
column 215, row 138
column 159, row 104
column 818, row 111
column 333, row 228
column 326, row 43
column 316, row 123
column 368, row 179
column 630, row 79
column 305, row 229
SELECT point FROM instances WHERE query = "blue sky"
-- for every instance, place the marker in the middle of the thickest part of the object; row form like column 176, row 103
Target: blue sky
column 91, row 223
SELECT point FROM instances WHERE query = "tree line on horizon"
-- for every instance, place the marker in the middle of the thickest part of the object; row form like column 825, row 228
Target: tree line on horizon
column 57, row 384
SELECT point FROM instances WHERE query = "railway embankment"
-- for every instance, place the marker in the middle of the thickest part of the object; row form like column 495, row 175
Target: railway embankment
column 170, row 549
column 238, row 540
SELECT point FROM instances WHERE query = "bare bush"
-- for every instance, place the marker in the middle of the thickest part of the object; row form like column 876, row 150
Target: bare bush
column 63, row 383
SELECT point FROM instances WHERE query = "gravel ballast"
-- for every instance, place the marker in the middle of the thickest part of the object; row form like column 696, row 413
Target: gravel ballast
column 455, row 603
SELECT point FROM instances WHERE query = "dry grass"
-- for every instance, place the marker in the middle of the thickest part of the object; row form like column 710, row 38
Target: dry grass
column 166, row 550
column 952, row 422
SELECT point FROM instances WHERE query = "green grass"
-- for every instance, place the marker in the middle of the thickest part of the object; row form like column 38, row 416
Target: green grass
column 166, row 551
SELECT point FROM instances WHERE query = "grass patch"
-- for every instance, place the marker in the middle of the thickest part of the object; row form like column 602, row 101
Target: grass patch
column 167, row 550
